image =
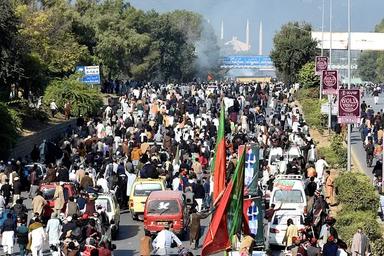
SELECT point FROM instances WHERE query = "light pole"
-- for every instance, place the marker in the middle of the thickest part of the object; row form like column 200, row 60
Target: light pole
column 330, row 65
column 322, row 46
column 349, row 86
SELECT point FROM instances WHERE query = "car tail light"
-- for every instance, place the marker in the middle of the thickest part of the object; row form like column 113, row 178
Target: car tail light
column 131, row 204
column 274, row 230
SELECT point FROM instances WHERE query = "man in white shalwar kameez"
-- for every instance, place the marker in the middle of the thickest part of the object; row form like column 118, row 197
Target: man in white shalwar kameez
column 38, row 237
column 53, row 230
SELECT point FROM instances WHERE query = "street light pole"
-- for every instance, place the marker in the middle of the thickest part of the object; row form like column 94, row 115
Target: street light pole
column 349, row 85
column 330, row 65
column 322, row 46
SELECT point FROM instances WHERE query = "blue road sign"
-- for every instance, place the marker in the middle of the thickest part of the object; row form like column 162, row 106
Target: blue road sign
column 91, row 74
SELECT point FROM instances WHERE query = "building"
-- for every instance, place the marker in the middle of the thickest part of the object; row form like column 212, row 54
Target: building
column 360, row 42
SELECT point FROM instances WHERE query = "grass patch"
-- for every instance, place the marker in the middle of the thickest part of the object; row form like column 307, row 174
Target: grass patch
column 311, row 107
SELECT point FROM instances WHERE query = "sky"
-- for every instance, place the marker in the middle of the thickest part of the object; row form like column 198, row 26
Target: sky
column 273, row 13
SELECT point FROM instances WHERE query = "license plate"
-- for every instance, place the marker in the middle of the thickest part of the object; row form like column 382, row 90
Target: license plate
column 162, row 223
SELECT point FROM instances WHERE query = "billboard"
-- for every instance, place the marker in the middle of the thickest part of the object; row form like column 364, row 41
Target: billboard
column 330, row 82
column 252, row 158
column 349, row 106
column 321, row 64
column 359, row 41
column 257, row 61
column 91, row 74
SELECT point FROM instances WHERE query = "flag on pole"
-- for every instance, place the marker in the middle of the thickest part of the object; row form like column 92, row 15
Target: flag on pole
column 219, row 164
column 210, row 77
column 217, row 239
column 235, row 209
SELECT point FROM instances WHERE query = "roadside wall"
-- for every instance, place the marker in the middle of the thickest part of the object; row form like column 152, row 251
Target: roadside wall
column 25, row 144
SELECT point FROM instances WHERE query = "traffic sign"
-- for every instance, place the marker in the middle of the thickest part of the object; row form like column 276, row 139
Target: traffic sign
column 330, row 82
column 321, row 64
column 349, row 106
column 91, row 74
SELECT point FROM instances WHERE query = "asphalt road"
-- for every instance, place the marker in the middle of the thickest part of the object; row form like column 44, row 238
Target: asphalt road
column 358, row 153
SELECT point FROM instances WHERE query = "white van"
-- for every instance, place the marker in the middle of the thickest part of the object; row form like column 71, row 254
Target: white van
column 278, row 226
column 288, row 190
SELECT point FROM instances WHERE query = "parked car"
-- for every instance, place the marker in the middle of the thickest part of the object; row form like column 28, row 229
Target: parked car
column 166, row 207
column 48, row 190
column 109, row 202
column 278, row 225
column 141, row 189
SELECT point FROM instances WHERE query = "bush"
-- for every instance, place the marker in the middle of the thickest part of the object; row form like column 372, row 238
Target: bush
column 311, row 106
column 307, row 77
column 84, row 100
column 348, row 221
column 377, row 247
column 356, row 193
column 339, row 149
column 11, row 125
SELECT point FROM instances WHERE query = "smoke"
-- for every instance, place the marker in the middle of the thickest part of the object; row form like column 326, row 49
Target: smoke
column 207, row 50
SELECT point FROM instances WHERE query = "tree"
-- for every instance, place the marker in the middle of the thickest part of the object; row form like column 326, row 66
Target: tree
column 367, row 66
column 83, row 99
column 307, row 76
column 10, row 68
column 293, row 47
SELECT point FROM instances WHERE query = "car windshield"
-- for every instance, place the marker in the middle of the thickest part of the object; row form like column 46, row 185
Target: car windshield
column 144, row 189
column 105, row 203
column 281, row 219
column 48, row 193
column 288, row 196
column 163, row 207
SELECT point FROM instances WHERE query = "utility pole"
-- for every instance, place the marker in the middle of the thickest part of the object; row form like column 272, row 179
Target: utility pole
column 330, row 66
column 322, row 46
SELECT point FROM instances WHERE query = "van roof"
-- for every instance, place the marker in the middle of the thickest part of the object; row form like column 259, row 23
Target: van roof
column 166, row 194
column 148, row 180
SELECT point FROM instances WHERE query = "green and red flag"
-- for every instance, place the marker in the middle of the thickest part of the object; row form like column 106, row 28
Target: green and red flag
column 217, row 238
column 227, row 218
column 218, row 168
column 235, row 214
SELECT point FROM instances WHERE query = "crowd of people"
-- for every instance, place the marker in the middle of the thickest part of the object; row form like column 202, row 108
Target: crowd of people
column 168, row 131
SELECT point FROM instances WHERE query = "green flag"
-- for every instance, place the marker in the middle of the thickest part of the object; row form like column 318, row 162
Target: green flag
column 235, row 210
column 220, row 135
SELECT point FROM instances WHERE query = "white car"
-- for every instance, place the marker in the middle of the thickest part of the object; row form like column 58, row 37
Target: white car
column 278, row 225
column 109, row 202
column 41, row 169
column 288, row 190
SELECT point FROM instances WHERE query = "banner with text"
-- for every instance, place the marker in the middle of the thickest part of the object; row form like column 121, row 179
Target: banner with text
column 330, row 82
column 321, row 64
column 349, row 106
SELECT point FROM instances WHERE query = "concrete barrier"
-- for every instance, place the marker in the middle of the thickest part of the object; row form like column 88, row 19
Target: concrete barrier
column 25, row 144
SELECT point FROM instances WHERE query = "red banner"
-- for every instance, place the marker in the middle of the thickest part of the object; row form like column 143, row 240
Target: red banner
column 321, row 64
column 349, row 106
column 330, row 82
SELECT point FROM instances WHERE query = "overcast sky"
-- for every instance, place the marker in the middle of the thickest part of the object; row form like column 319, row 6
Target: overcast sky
column 273, row 13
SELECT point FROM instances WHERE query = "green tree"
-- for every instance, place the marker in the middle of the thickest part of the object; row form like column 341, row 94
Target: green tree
column 293, row 47
column 367, row 66
column 47, row 32
column 307, row 76
column 84, row 100
column 10, row 67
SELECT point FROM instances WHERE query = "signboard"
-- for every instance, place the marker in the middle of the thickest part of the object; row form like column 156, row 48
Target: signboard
column 91, row 74
column 252, row 158
column 255, row 215
column 325, row 108
column 257, row 61
column 330, row 82
column 349, row 106
column 321, row 64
